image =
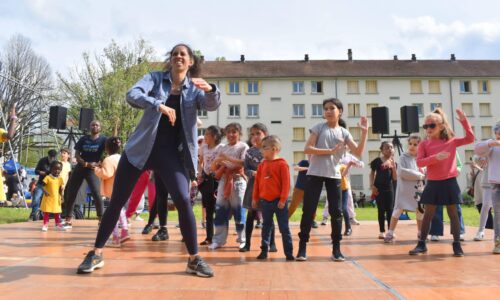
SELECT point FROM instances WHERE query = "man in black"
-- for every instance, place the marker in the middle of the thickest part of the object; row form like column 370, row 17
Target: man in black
column 42, row 169
column 89, row 150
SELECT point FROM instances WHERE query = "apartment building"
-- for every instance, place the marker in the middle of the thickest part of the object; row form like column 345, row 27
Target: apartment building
column 286, row 96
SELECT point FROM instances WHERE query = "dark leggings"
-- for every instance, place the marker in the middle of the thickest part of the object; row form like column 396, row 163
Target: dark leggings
column 161, row 201
column 385, row 206
column 78, row 174
column 252, row 215
column 314, row 185
column 430, row 210
column 165, row 161
column 208, row 201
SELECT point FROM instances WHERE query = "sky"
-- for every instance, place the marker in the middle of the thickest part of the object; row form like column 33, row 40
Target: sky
column 61, row 30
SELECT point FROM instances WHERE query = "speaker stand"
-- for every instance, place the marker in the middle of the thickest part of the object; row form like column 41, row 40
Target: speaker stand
column 70, row 138
column 395, row 140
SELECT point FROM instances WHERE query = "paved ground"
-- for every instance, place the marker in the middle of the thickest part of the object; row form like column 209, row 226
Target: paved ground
column 41, row 265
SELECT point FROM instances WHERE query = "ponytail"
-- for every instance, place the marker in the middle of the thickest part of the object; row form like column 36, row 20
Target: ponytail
column 446, row 132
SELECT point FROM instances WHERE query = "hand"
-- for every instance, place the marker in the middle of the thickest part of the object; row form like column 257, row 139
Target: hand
column 253, row 173
column 91, row 165
column 460, row 115
column 201, row 84
column 337, row 147
column 281, row 205
column 46, row 193
column 169, row 112
column 363, row 124
column 442, row 155
column 374, row 190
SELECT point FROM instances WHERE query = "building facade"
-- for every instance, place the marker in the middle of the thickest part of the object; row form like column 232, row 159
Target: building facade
column 286, row 96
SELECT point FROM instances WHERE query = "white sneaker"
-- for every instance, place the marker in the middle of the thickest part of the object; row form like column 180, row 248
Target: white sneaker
column 462, row 237
column 381, row 236
column 213, row 246
column 479, row 236
column 138, row 218
column 67, row 225
column 354, row 221
column 434, row 238
column 45, row 228
column 60, row 227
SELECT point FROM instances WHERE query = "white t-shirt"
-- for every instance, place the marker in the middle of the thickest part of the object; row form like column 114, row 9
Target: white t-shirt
column 237, row 151
column 209, row 155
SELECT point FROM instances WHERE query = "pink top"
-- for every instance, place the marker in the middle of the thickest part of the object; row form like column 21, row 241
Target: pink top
column 446, row 168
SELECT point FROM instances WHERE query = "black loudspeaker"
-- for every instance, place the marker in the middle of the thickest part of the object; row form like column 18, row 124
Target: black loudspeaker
column 380, row 120
column 409, row 119
column 57, row 117
column 86, row 117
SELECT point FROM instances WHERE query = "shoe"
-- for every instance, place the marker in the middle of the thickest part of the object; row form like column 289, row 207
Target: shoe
column 205, row 242
column 336, row 254
column 138, row 218
column 199, row 267
column 289, row 257
column 160, row 235
column 419, row 249
column 314, row 224
column 348, row 232
column 457, row 249
column 124, row 236
column 203, row 225
column 59, row 227
column 114, row 242
column 245, row 248
column 147, row 229
column 67, row 225
column 272, row 248
column 301, row 254
column 479, row 236
column 462, row 237
column 496, row 250
column 354, row 221
column 45, row 228
column 214, row 246
column 381, row 236
column 323, row 222
column 262, row 255
column 434, row 238
column 389, row 238
column 258, row 225
column 91, row 262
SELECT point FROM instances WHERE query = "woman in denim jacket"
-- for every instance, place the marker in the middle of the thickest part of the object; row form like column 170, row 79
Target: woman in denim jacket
column 165, row 142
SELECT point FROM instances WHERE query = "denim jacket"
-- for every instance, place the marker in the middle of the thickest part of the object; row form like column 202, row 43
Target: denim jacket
column 147, row 94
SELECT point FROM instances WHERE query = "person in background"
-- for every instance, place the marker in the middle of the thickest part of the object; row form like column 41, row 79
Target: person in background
column 4, row 137
column 42, row 169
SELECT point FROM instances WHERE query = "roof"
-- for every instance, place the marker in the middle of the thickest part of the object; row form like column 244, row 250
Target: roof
column 346, row 68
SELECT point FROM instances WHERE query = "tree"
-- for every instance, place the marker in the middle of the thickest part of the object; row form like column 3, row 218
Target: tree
column 101, row 84
column 26, row 81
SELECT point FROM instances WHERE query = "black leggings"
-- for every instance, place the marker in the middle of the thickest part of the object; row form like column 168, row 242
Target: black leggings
column 208, row 189
column 165, row 161
column 385, row 206
column 430, row 210
column 161, row 199
column 78, row 174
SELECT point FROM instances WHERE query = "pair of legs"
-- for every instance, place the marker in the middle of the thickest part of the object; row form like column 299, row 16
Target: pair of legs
column 135, row 198
column 385, row 205
column 46, row 218
column 252, row 215
column 395, row 218
column 486, row 206
column 35, row 201
column 269, row 209
column 430, row 210
column 437, row 223
column 208, row 199
column 79, row 174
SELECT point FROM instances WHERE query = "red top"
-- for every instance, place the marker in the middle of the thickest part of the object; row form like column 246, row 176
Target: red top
column 446, row 168
column 272, row 181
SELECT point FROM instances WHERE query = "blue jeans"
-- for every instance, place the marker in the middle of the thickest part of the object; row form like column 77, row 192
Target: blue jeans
column 437, row 227
column 35, row 200
column 269, row 208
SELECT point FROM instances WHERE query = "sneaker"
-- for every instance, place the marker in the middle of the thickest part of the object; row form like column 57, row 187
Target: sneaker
column 457, row 249
column 114, row 242
column 462, row 237
column 272, row 248
column 199, row 267
column 289, row 257
column 323, row 222
column 45, row 227
column 205, row 243
column 138, row 218
column 214, row 246
column 348, row 232
column 147, row 229
column 496, row 250
column 354, row 221
column 479, row 236
column 258, row 225
column 125, row 236
column 245, row 248
column 336, row 254
column 262, row 255
column 389, row 238
column 91, row 262
column 314, row 224
column 160, row 235
column 301, row 254
column 59, row 227
column 67, row 225
column 434, row 238
column 419, row 249
column 381, row 236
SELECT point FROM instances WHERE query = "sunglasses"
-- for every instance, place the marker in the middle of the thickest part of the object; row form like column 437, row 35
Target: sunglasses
column 431, row 126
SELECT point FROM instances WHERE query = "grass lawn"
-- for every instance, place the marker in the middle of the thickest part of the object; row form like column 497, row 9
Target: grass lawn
column 470, row 214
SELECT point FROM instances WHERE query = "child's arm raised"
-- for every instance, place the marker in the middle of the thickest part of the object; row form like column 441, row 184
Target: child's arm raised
column 358, row 149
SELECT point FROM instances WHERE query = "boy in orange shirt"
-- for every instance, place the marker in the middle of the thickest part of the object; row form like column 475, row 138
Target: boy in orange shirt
column 270, row 192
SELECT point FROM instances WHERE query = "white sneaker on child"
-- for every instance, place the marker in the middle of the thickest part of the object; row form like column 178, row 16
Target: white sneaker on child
column 45, row 228
column 479, row 236
column 434, row 238
column 381, row 236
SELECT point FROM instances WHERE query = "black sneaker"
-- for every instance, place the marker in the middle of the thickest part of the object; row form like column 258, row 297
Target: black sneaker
column 336, row 254
column 262, row 255
column 245, row 248
column 289, row 257
column 348, row 232
column 199, row 267
column 91, row 262
column 419, row 249
column 272, row 248
column 147, row 229
column 301, row 254
column 206, row 243
column 457, row 249
column 160, row 235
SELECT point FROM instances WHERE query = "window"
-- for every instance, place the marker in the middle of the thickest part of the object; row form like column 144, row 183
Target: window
column 468, row 155
column 252, row 87
column 394, row 98
column 299, row 134
column 352, row 87
column 435, row 105
column 202, row 113
column 276, row 99
column 317, row 110
column 234, row 87
column 353, row 110
column 372, row 154
column 298, row 156
column 434, row 87
column 416, row 86
column 486, row 132
column 234, row 111
column 316, row 87
column 420, row 109
column 253, row 110
column 484, row 110
column 369, row 107
column 355, row 132
column 356, row 182
column 298, row 110
column 298, row 87
column 371, row 87
column 468, row 109
column 465, row 86
column 483, row 86
column 373, row 136
column 201, row 131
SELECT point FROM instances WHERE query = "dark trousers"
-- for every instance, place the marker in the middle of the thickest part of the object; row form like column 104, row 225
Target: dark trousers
column 269, row 209
column 208, row 198
column 252, row 215
column 161, row 201
column 79, row 174
column 314, row 185
column 165, row 160
column 385, row 206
